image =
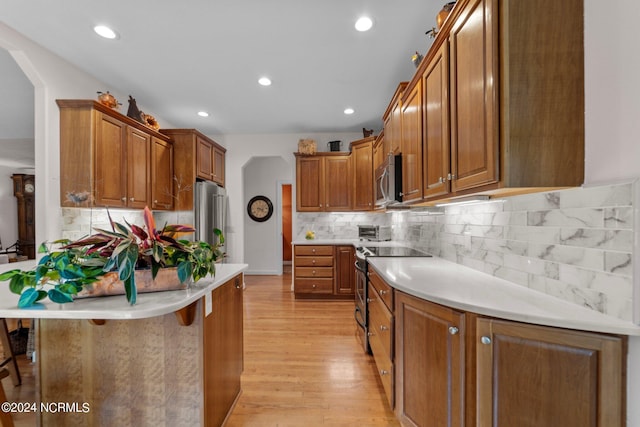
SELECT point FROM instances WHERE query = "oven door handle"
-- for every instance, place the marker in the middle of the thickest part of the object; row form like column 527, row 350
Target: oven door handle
column 356, row 316
column 361, row 269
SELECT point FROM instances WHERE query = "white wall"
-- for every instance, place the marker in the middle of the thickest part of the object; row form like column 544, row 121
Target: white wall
column 8, row 208
column 261, row 239
column 240, row 149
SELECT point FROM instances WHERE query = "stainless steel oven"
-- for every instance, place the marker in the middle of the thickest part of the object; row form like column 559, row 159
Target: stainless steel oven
column 363, row 253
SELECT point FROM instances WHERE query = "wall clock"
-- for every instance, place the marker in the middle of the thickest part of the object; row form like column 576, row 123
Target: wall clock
column 260, row 208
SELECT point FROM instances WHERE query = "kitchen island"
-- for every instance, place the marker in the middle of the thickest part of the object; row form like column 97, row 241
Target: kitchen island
column 174, row 358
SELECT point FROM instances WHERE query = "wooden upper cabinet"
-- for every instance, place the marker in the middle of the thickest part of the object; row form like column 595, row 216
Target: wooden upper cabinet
column 218, row 165
column 309, row 183
column 110, row 162
column 379, row 154
column 204, row 159
column 105, row 157
column 362, row 154
column 138, row 169
column 393, row 122
column 337, row 183
column 436, row 138
column 196, row 157
column 474, row 103
column 540, row 376
column 323, row 182
column 161, row 174
column 411, row 147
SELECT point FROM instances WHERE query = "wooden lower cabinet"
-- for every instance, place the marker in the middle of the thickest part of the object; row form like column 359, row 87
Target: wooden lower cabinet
column 323, row 271
column 452, row 368
column 430, row 363
column 223, row 351
column 541, row 376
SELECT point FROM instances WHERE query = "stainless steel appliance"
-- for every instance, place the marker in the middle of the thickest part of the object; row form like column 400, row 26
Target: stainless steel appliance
column 374, row 233
column 210, row 211
column 363, row 253
column 388, row 185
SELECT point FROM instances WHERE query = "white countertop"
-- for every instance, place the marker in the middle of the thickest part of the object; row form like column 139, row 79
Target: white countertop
column 114, row 307
column 459, row 287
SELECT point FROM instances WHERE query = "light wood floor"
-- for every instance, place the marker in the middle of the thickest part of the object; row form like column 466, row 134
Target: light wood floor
column 303, row 365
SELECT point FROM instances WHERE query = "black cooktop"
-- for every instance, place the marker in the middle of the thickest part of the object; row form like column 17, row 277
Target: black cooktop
column 391, row 251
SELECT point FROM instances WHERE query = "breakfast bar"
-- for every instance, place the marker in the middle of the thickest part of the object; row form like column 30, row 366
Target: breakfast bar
column 173, row 358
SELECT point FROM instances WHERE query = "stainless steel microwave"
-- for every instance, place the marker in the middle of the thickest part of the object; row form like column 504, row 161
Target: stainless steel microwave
column 388, row 189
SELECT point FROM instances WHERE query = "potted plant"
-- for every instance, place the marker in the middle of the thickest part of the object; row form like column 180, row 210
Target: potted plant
column 62, row 274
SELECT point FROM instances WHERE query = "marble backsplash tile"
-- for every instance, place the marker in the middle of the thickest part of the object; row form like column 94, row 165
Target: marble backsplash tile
column 575, row 244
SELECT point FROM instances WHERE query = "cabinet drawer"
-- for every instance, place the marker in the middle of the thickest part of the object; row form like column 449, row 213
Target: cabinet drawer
column 380, row 323
column 313, row 250
column 314, row 272
column 314, row 261
column 385, row 368
column 313, row 286
column 384, row 291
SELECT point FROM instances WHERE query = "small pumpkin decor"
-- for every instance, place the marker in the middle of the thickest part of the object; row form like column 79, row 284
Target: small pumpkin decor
column 127, row 251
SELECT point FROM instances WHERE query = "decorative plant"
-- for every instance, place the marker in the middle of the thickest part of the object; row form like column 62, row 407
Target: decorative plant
column 62, row 273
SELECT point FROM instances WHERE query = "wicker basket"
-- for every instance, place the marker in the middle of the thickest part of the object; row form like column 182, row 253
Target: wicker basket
column 307, row 146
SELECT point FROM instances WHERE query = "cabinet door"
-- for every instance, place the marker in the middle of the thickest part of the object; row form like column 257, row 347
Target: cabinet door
column 204, row 160
column 309, row 184
column 161, row 174
column 474, row 103
column 436, row 159
column 110, row 162
column 223, row 351
column 363, row 176
column 218, row 166
column 430, row 363
column 337, row 183
column 138, row 168
column 412, row 145
column 395, row 125
column 345, row 282
column 540, row 376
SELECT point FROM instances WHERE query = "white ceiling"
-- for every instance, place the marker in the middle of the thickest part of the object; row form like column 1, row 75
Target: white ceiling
column 177, row 58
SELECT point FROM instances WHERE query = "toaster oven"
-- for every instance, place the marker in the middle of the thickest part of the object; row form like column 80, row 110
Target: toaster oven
column 374, row 233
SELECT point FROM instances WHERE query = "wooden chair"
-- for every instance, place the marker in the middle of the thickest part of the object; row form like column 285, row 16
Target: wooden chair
column 10, row 359
column 5, row 417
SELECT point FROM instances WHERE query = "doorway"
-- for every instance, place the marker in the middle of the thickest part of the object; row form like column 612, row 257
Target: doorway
column 287, row 231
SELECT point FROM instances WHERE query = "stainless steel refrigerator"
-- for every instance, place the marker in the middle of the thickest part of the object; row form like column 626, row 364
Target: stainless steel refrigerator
column 210, row 211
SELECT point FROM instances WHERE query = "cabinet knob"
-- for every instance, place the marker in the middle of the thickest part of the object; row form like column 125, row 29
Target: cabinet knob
column 313, row 250
column 384, row 372
column 155, row 202
column 370, row 300
column 453, row 330
column 382, row 292
column 383, row 328
column 131, row 199
column 440, row 180
column 237, row 283
column 485, row 340
column 313, row 272
column 124, row 199
column 313, row 286
column 313, row 261
column 370, row 334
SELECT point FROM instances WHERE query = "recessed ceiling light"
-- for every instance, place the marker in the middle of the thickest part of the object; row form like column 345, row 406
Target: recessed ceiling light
column 364, row 23
column 264, row 81
column 106, row 32
column 203, row 114
column 349, row 111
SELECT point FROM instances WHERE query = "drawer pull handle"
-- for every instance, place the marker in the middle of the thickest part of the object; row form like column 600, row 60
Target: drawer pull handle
column 453, row 330
column 384, row 372
column 485, row 340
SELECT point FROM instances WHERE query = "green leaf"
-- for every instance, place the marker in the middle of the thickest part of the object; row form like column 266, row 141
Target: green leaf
column 28, row 297
column 43, row 249
column 130, row 289
column 41, row 295
column 218, row 233
column 69, row 288
column 59, row 297
column 184, row 271
column 16, row 285
column 8, row 275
